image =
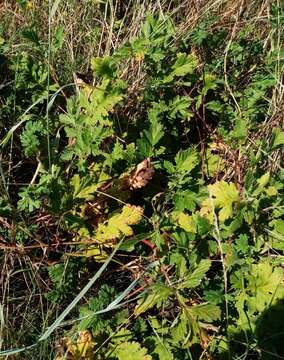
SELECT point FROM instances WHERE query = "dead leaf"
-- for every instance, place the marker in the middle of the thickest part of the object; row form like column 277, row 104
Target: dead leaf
column 143, row 173
column 81, row 349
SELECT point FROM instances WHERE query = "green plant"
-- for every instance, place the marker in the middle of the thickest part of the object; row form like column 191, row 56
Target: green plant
column 167, row 158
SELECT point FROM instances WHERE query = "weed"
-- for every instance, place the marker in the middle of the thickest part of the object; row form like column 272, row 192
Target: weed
column 141, row 203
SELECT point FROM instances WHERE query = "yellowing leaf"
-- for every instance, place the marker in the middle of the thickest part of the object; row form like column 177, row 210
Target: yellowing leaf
column 264, row 179
column 271, row 191
column 85, row 343
column 81, row 349
column 214, row 162
column 223, row 197
column 118, row 225
column 96, row 252
column 131, row 214
column 131, row 350
column 185, row 221
column 206, row 210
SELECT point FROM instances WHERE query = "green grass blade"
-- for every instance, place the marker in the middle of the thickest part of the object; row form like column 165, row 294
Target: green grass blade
column 61, row 317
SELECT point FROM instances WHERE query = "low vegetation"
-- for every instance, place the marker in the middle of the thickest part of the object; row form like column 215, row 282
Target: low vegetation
column 141, row 183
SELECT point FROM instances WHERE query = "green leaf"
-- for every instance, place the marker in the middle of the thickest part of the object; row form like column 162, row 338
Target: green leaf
column 58, row 38
column 31, row 35
column 5, row 208
column 278, row 140
column 242, row 244
column 105, row 295
column 156, row 296
column 186, row 160
column 264, row 287
column 184, row 65
column 155, row 133
column 82, row 189
column 185, row 200
column 179, row 107
column 181, row 330
column 121, row 336
column 31, row 137
column 214, row 163
column 169, row 167
column 240, row 129
column 177, row 259
column 28, row 200
column 102, row 66
column 162, row 350
column 199, row 34
column 194, row 279
column 209, row 83
column 206, row 312
column 203, row 225
column 261, row 183
column 266, row 284
column 279, row 226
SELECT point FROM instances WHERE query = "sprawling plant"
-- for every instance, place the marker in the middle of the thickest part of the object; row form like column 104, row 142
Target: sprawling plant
column 170, row 170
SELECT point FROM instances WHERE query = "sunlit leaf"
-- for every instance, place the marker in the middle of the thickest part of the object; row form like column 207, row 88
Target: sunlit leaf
column 186, row 160
column 119, row 224
column 157, row 294
column 131, row 350
column 185, row 221
column 193, row 279
column 223, row 196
